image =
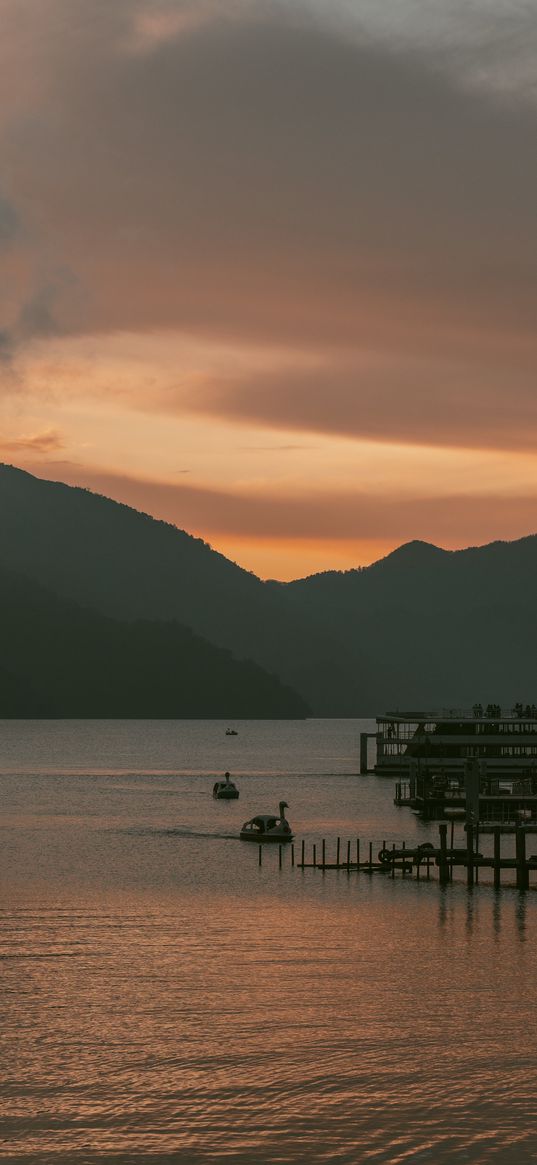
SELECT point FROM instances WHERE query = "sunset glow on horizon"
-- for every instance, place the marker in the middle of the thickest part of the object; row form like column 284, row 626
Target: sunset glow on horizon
column 269, row 269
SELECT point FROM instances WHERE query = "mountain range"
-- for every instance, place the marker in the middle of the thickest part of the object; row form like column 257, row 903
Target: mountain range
column 422, row 627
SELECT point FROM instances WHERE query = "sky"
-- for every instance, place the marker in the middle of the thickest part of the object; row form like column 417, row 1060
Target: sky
column 269, row 268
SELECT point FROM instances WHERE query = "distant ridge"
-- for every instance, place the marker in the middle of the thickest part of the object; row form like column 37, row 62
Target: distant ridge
column 63, row 660
column 102, row 554
column 412, row 555
column 422, row 625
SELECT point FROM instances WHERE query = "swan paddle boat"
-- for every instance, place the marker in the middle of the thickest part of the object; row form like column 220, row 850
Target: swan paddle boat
column 225, row 790
column 231, row 732
column 268, row 827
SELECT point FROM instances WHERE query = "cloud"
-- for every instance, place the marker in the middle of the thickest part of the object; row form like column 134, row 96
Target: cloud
column 9, row 223
column 44, row 443
column 375, row 397
column 262, row 178
column 255, row 176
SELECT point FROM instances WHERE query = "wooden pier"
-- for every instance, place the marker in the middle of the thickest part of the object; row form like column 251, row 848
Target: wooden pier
column 418, row 860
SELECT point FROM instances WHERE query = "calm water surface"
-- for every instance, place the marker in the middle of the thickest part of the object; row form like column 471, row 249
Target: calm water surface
column 167, row 1000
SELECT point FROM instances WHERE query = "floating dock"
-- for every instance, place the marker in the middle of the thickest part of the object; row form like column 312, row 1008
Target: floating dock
column 418, row 860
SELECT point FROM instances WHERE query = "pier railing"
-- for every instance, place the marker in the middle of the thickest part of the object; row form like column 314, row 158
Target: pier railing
column 527, row 712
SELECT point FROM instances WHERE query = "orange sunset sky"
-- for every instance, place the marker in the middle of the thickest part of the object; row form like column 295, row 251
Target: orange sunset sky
column 269, row 269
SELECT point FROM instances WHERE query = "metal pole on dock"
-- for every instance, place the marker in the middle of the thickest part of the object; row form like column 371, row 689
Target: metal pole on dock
column 443, row 868
column 469, row 850
column 522, row 875
column 497, row 867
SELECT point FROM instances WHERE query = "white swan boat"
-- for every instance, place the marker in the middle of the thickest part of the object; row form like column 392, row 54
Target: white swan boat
column 225, row 790
column 268, row 827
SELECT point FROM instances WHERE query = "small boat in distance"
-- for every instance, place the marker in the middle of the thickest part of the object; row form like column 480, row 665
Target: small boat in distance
column 225, row 790
column 231, row 732
column 267, row 827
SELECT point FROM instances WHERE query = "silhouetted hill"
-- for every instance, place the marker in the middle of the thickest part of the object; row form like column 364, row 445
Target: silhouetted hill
column 59, row 659
column 446, row 627
column 422, row 626
column 126, row 564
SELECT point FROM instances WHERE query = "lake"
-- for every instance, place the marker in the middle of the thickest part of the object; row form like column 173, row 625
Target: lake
column 165, row 999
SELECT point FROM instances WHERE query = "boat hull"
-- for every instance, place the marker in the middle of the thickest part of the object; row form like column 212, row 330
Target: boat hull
column 231, row 796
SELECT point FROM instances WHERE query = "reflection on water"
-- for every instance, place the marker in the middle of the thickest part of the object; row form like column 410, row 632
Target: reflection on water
column 168, row 1000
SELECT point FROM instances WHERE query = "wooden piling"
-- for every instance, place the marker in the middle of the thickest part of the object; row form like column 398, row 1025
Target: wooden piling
column 443, row 868
column 260, row 859
column 314, row 854
column 348, row 855
column 497, row 867
column 370, row 856
column 404, row 862
column 393, row 861
column 337, row 851
column 292, row 853
column 324, row 853
column 469, row 852
column 522, row 873
column 357, row 853
column 280, row 848
column 476, row 853
column 451, row 844
column 303, row 853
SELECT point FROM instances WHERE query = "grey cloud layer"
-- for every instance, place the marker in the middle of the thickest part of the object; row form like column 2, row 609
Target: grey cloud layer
column 263, row 179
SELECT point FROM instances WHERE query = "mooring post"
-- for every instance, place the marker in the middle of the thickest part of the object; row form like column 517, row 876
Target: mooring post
column 348, row 855
column 358, row 853
column 260, row 860
column 397, row 792
column 393, row 860
column 443, row 868
column 522, row 874
column 314, row 855
column 469, row 850
column 303, row 853
column 337, row 851
column 370, row 856
column 497, row 867
column 280, row 856
column 477, row 852
column 451, row 844
column 292, row 853
column 404, row 861
column 324, row 854
column 363, row 752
